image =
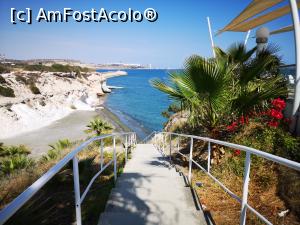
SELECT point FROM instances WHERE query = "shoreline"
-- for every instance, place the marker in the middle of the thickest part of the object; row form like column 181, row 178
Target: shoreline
column 70, row 127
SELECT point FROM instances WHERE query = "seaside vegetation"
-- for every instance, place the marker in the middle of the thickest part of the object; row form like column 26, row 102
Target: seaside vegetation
column 54, row 203
column 6, row 91
column 2, row 80
column 240, row 98
column 98, row 127
column 56, row 68
column 4, row 69
column 17, row 66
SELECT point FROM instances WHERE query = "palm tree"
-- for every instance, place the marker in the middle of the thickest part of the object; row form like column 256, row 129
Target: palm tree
column 257, row 79
column 98, row 126
column 234, row 83
column 202, row 89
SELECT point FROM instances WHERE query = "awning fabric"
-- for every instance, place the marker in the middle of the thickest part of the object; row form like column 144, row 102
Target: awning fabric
column 254, row 8
column 283, row 29
column 243, row 22
column 249, row 24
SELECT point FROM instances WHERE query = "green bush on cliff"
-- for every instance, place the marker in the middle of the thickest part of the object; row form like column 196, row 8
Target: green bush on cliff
column 2, row 80
column 34, row 89
column 4, row 69
column 7, row 91
column 55, row 68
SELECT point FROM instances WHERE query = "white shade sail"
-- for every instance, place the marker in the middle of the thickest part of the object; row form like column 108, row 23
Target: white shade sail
column 283, row 29
column 246, row 21
column 254, row 8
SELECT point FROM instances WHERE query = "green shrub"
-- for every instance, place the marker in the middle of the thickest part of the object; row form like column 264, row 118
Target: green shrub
column 6, row 151
column 7, row 91
column 17, row 162
column 36, row 67
column 2, row 80
column 56, row 150
column 21, row 79
column 34, row 89
column 4, row 69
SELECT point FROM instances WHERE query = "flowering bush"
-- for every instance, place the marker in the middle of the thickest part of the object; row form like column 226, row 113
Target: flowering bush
column 275, row 114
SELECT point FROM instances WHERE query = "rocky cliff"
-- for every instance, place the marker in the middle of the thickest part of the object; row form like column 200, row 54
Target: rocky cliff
column 30, row 100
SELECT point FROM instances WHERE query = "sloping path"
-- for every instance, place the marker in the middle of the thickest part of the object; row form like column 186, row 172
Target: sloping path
column 149, row 192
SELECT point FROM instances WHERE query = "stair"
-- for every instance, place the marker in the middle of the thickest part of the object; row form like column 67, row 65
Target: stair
column 149, row 192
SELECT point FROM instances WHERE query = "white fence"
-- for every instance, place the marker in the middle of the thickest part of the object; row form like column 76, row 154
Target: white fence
column 17, row 203
column 162, row 146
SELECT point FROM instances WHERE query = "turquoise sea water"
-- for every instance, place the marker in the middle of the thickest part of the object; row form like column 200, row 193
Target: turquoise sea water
column 137, row 104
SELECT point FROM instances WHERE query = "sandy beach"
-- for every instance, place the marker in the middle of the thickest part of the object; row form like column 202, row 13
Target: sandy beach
column 70, row 127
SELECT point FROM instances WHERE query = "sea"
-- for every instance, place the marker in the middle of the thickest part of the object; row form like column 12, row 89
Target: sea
column 136, row 103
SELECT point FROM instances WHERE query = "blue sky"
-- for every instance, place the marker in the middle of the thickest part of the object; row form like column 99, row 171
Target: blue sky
column 180, row 31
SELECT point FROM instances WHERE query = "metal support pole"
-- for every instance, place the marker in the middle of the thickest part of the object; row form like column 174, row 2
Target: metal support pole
column 295, row 16
column 77, row 190
column 211, row 37
column 247, row 37
column 208, row 157
column 126, row 148
column 190, row 162
column 170, row 156
column 101, row 156
column 164, row 137
column 115, row 160
column 245, row 189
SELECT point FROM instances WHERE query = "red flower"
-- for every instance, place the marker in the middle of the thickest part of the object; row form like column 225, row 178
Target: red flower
column 287, row 120
column 237, row 152
column 242, row 120
column 273, row 123
column 279, row 103
column 276, row 114
column 232, row 127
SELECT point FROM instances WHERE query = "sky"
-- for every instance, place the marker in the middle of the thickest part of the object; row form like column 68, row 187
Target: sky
column 180, row 31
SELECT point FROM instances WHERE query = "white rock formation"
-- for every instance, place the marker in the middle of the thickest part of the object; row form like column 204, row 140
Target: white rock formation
column 60, row 95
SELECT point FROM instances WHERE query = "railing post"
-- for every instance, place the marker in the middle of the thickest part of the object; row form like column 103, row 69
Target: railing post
column 164, row 139
column 170, row 156
column 178, row 141
column 245, row 188
column 190, row 162
column 115, row 159
column 101, row 156
column 77, row 190
column 126, row 148
column 208, row 157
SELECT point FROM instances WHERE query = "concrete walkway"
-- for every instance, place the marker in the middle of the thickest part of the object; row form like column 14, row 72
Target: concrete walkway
column 150, row 193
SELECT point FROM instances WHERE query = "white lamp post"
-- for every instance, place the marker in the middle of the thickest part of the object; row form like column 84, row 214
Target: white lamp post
column 295, row 15
column 262, row 35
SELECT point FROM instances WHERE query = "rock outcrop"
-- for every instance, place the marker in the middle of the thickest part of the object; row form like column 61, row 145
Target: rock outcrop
column 41, row 98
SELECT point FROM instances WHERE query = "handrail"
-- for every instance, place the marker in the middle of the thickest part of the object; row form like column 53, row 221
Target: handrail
column 147, row 137
column 25, row 196
column 249, row 151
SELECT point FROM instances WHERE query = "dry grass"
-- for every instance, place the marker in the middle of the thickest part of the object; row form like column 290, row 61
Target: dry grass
column 54, row 203
column 264, row 190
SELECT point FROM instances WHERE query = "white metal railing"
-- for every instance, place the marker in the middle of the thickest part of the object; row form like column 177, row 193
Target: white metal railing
column 249, row 151
column 17, row 203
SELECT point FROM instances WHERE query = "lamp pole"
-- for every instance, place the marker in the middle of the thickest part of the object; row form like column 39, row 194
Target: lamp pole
column 295, row 120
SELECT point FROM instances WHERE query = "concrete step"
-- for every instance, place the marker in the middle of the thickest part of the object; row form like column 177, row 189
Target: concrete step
column 181, row 217
column 143, row 199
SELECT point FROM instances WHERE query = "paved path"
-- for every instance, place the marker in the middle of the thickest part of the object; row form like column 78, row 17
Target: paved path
column 150, row 193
